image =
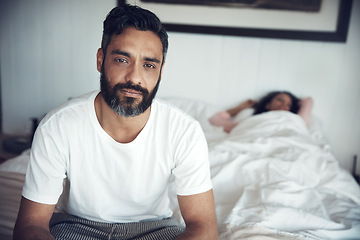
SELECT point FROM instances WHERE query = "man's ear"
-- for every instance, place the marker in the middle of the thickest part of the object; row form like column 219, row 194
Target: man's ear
column 99, row 59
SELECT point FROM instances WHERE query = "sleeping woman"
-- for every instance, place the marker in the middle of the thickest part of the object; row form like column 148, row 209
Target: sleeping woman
column 274, row 101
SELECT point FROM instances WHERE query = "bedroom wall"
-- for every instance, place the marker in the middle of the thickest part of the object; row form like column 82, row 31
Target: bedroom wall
column 48, row 55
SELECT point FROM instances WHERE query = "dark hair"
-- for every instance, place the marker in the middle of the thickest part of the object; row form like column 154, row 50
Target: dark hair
column 124, row 16
column 260, row 107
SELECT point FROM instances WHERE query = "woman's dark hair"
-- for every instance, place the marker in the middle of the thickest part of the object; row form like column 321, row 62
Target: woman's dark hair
column 260, row 107
column 124, row 16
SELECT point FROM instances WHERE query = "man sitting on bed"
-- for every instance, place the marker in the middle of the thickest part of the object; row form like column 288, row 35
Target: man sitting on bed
column 117, row 149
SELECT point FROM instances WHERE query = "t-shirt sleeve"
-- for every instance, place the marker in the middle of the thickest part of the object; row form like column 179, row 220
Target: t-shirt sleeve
column 192, row 168
column 47, row 166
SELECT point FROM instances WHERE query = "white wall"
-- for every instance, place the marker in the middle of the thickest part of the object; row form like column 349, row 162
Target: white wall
column 48, row 51
column 48, row 54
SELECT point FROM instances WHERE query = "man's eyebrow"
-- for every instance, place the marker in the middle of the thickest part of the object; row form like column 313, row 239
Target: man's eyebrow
column 119, row 52
column 126, row 54
column 149, row 59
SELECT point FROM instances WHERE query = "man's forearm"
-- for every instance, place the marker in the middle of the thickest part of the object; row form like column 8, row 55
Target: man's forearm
column 33, row 221
column 31, row 233
column 198, row 233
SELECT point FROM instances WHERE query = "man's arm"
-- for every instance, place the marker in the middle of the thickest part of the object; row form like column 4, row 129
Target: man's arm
column 198, row 212
column 33, row 221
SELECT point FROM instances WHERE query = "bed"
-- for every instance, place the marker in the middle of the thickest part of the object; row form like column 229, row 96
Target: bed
column 273, row 178
column 12, row 176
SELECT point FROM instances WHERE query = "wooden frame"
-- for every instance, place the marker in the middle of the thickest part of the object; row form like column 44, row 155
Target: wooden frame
column 338, row 35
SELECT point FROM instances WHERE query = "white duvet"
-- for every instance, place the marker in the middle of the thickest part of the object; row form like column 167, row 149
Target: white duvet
column 274, row 180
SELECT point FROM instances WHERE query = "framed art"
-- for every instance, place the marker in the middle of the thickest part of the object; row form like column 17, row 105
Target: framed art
column 329, row 23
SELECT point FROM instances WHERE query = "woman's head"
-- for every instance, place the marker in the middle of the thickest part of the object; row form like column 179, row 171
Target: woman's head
column 278, row 100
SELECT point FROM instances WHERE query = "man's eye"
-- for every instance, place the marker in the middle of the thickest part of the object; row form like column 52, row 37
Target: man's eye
column 148, row 65
column 121, row 60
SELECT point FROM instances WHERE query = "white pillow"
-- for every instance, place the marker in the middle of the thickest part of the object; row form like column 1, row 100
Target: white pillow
column 17, row 164
column 244, row 114
column 201, row 111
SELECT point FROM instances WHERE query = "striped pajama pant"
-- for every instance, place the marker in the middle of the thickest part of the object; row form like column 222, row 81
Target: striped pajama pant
column 68, row 227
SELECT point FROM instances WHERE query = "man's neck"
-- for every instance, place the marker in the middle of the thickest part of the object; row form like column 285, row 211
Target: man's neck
column 121, row 129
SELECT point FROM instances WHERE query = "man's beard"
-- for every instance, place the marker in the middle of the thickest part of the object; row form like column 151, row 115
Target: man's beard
column 128, row 106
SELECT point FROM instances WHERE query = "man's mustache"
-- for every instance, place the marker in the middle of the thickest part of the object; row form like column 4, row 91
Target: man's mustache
column 129, row 85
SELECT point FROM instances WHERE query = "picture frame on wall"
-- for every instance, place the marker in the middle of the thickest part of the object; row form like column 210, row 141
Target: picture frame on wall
column 329, row 23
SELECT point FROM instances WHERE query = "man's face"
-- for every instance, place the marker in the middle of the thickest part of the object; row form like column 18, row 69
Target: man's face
column 131, row 71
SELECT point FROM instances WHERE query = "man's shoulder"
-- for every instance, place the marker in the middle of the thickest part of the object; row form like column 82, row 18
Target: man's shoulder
column 167, row 109
column 73, row 108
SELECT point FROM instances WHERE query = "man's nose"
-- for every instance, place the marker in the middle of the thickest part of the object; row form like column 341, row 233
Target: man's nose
column 134, row 74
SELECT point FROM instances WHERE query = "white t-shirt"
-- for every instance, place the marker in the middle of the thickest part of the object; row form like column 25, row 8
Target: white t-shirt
column 109, row 181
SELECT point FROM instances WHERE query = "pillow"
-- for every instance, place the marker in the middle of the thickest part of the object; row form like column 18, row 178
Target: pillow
column 200, row 111
column 244, row 114
column 17, row 164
